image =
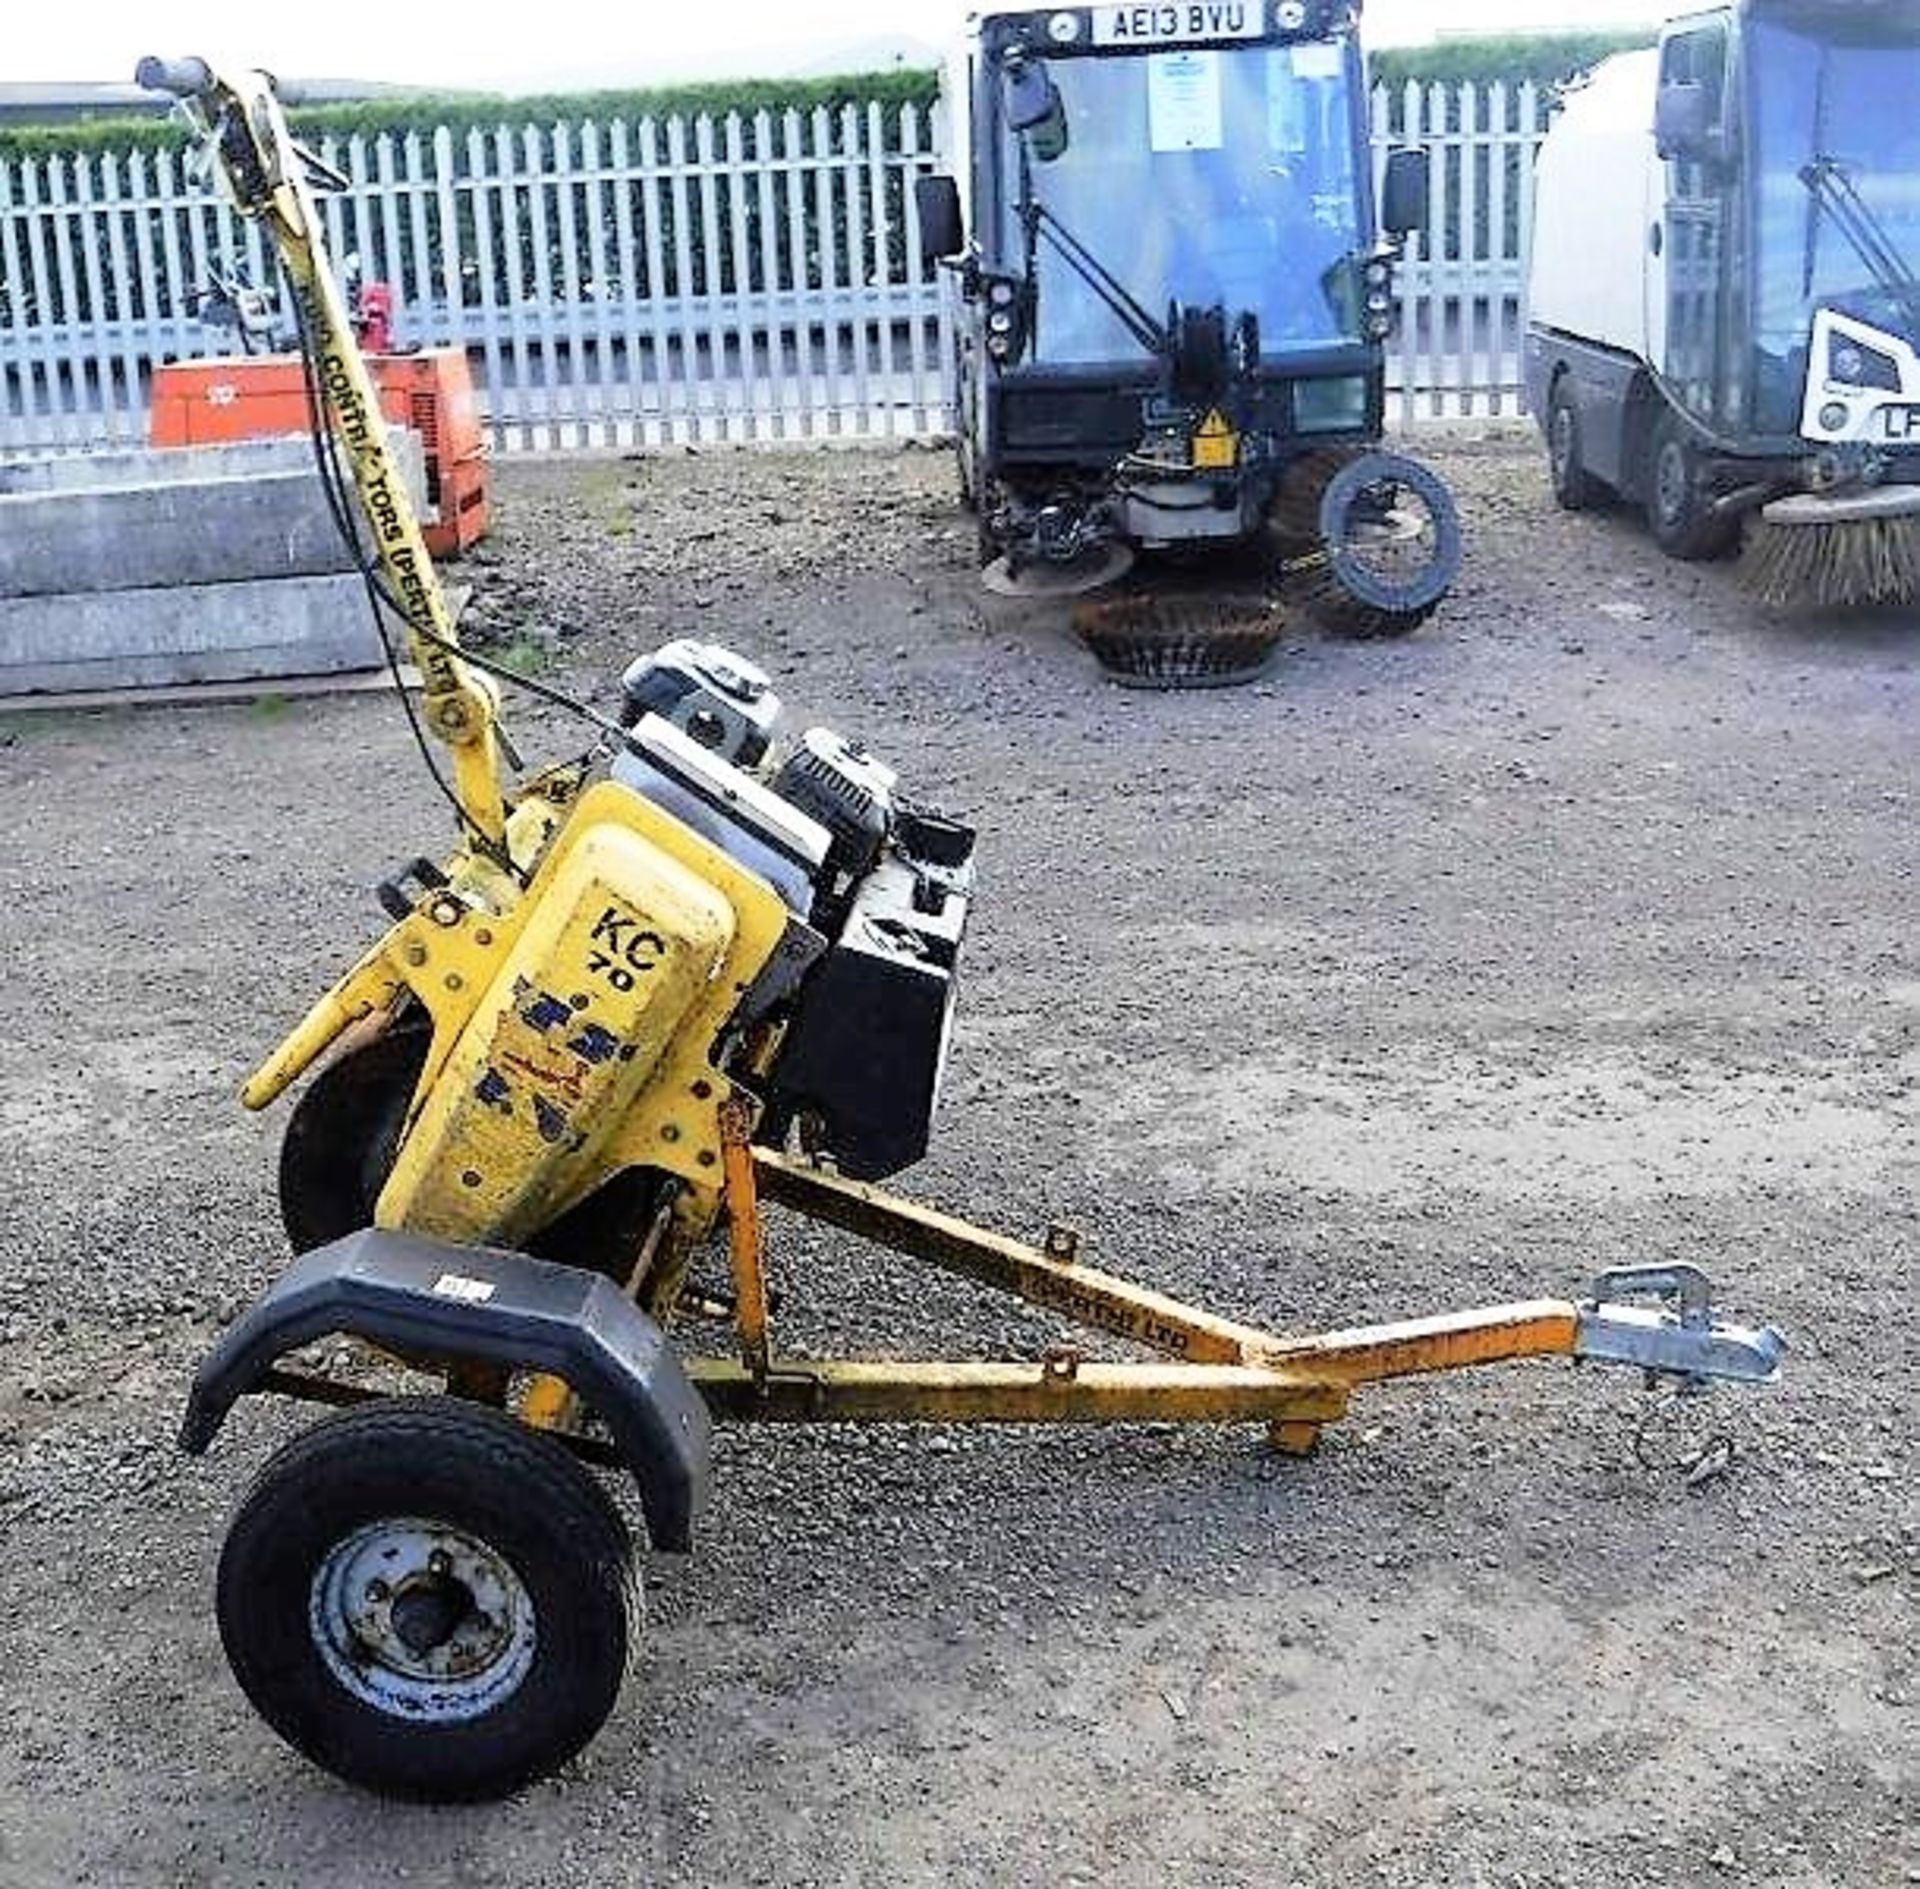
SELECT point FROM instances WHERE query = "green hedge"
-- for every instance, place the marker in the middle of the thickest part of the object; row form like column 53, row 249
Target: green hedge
column 424, row 111
column 1545, row 58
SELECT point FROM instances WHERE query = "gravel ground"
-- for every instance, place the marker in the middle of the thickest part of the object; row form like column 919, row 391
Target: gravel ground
column 1575, row 931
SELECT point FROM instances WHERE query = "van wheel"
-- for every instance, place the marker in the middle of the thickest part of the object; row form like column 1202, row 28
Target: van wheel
column 1678, row 513
column 1575, row 489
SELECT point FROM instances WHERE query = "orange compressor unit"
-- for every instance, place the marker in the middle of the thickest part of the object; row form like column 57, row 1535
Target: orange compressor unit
column 246, row 396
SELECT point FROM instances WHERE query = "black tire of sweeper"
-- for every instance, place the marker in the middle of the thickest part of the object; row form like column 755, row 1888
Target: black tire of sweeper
column 1338, row 591
column 1575, row 489
column 966, row 455
column 519, row 1526
column 1678, row 512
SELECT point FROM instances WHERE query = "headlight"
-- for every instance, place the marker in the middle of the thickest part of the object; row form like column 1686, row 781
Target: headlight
column 1833, row 417
column 1290, row 15
column 1852, row 363
column 1063, row 28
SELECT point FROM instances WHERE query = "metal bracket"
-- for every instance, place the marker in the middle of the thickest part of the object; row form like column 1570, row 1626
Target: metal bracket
column 1679, row 1338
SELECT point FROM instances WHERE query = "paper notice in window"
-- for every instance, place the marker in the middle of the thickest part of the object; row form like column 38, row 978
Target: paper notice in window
column 1183, row 101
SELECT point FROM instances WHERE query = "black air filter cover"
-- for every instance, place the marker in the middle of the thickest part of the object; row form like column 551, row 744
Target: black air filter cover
column 866, row 1049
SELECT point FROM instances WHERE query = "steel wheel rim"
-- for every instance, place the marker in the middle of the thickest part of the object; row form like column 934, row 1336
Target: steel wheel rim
column 1560, row 441
column 421, row 1620
column 1396, row 544
column 1670, row 482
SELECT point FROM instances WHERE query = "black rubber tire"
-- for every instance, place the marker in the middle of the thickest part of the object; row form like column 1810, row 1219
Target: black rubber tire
column 339, row 1146
column 1677, row 513
column 339, row 1149
column 1338, row 592
column 1575, row 489
column 467, row 1468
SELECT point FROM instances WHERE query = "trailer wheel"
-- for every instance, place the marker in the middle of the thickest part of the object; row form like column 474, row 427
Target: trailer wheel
column 1575, row 489
column 1678, row 513
column 429, row 1599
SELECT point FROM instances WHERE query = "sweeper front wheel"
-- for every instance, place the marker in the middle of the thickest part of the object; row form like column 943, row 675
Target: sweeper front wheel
column 1679, row 512
column 1575, row 489
column 429, row 1599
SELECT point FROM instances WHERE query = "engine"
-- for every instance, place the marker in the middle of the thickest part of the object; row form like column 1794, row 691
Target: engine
column 876, row 889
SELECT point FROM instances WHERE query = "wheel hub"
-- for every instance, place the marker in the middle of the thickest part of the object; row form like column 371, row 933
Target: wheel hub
column 422, row 1620
column 1561, row 439
column 1672, row 482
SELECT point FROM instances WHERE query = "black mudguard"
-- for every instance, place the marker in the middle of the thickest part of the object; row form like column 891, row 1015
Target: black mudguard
column 428, row 1298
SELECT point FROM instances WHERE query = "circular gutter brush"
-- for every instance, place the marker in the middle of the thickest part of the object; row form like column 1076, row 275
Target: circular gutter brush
column 1835, row 550
column 1181, row 642
column 1042, row 578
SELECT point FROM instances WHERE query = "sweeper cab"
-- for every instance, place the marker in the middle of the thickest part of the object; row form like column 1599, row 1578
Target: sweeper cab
column 1172, row 292
column 1724, row 310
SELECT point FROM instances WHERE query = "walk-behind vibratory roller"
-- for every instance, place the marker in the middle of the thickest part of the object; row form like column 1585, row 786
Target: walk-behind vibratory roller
column 707, row 964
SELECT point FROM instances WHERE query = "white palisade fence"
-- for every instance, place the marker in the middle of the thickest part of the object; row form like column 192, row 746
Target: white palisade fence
column 753, row 277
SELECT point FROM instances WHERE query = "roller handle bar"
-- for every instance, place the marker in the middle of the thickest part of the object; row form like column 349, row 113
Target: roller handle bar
column 184, row 78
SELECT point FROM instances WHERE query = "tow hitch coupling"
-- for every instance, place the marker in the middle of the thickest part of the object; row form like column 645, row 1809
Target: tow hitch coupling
column 1678, row 1337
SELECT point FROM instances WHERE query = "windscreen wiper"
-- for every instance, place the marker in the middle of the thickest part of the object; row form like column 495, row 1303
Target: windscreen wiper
column 1834, row 191
column 1038, row 221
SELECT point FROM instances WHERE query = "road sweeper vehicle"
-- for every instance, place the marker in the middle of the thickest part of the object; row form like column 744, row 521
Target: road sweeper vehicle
column 1172, row 299
column 1724, row 311
column 705, row 964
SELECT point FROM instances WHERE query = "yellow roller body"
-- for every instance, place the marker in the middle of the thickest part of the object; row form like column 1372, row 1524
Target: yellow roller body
column 587, row 1049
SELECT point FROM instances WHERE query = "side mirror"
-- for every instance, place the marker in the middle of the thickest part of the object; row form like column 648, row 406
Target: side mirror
column 1035, row 109
column 1680, row 128
column 936, row 201
column 1403, row 194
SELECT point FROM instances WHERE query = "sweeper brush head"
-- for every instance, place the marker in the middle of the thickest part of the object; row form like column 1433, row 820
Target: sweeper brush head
column 1825, row 553
column 1181, row 642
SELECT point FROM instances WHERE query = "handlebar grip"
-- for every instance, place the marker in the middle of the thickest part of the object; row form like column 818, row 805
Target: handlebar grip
column 184, row 78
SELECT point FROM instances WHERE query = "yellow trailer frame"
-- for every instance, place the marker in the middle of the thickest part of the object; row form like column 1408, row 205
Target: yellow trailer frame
column 1210, row 1369
column 1221, row 1371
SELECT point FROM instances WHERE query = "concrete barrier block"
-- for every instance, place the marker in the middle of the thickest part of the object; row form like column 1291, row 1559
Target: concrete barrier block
column 187, row 515
column 180, row 565
column 162, row 465
column 290, row 626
